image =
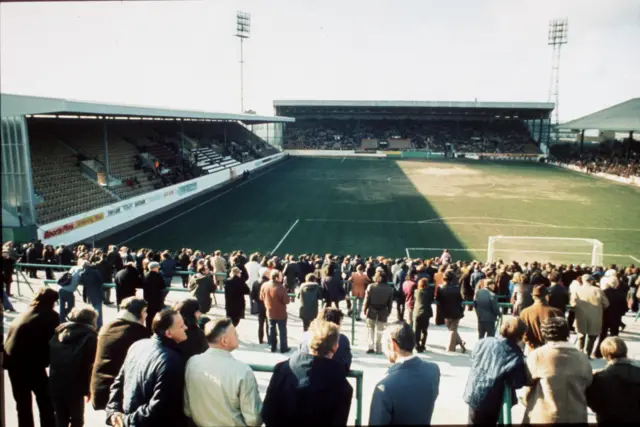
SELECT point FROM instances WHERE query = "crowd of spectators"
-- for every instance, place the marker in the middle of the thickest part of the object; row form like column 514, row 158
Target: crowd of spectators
column 614, row 158
column 464, row 136
column 155, row 365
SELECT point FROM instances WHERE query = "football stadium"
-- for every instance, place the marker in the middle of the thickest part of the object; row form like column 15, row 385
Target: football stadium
column 185, row 267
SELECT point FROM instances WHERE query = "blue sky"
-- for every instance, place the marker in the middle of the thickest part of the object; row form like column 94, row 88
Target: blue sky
column 182, row 54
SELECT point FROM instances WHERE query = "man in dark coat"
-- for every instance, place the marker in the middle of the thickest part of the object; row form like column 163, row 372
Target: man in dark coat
column 615, row 391
column 485, row 302
column 235, row 288
column 127, row 281
column 32, row 257
column 378, row 301
column 558, row 294
column 114, row 258
column 73, row 350
column 26, row 357
column 93, row 287
column 409, row 378
column 612, row 316
column 201, row 287
column 114, row 341
column 148, row 390
column 398, row 294
column 291, row 274
column 66, row 256
column 153, row 291
column 310, row 388
column 449, row 300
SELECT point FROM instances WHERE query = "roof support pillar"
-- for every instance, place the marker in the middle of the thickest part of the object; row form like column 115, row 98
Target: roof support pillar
column 105, row 136
column 629, row 144
column 582, row 141
column 181, row 156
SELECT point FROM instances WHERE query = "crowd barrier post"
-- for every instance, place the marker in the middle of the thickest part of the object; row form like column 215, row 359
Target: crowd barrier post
column 352, row 374
column 353, row 320
column 505, row 413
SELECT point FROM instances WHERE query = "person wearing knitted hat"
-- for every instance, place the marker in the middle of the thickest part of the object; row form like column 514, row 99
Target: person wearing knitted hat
column 560, row 376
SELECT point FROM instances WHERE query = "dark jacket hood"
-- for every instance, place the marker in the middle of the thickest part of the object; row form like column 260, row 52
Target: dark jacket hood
column 316, row 373
column 72, row 332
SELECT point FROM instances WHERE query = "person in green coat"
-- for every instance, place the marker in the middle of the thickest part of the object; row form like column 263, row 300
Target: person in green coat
column 309, row 293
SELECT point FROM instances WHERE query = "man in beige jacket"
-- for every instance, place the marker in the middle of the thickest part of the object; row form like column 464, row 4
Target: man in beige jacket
column 219, row 266
column 589, row 303
column 560, row 375
column 219, row 389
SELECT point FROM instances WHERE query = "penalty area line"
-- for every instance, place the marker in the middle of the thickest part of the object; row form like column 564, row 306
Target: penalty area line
column 285, row 236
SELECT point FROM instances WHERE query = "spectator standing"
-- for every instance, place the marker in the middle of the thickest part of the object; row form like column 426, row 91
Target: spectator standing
column 219, row 389
column 26, row 357
column 72, row 353
column 398, row 294
column 521, row 297
column 573, row 288
column 148, row 390
column 235, row 288
column 613, row 313
column 93, row 287
column 408, row 392
column 359, row 282
column 127, row 280
column 105, row 269
column 614, row 393
column 495, row 362
column 449, row 300
column 477, row 276
column 534, row 315
column 589, row 303
column 258, row 307
column 114, row 341
column 219, row 265
column 343, row 353
column 378, row 302
column 560, row 376
column 291, row 273
column 153, row 291
column 68, row 283
column 408, row 288
column 558, row 294
column 253, row 269
column 309, row 294
column 332, row 286
column 275, row 298
column 201, row 287
column 8, row 263
column 423, row 298
column 310, row 388
column 49, row 257
column 485, row 302
column 168, row 268
column 196, row 342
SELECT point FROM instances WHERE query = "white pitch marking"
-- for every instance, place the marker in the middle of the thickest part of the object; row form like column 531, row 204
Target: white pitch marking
column 407, row 249
column 484, row 217
column 285, row 236
column 195, row 207
column 343, row 159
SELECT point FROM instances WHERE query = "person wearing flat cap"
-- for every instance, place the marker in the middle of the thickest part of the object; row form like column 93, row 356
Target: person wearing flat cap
column 153, row 291
column 534, row 315
column 589, row 303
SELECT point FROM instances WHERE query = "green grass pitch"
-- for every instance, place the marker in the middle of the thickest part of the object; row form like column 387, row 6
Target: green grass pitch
column 382, row 207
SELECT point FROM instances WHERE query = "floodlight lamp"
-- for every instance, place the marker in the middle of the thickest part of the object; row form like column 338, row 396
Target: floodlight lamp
column 243, row 24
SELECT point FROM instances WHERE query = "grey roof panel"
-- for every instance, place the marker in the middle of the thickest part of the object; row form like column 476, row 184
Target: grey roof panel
column 416, row 104
column 623, row 117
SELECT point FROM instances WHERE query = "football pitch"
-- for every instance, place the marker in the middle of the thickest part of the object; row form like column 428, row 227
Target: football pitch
column 391, row 207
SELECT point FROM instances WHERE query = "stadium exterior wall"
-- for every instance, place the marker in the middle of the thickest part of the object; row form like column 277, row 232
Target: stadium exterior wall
column 100, row 221
column 634, row 180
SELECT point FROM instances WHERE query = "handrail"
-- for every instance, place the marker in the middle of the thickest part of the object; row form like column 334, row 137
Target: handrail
column 505, row 412
column 357, row 374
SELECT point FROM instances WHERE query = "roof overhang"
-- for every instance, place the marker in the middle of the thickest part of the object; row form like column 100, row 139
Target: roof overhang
column 19, row 105
column 623, row 117
column 416, row 104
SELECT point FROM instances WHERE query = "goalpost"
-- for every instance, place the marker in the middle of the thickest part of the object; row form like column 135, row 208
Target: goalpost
column 558, row 250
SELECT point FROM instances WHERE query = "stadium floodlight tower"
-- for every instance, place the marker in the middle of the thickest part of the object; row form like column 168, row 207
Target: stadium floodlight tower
column 243, row 30
column 558, row 29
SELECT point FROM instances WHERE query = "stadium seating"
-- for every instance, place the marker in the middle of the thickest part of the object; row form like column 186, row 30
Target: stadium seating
column 465, row 136
column 60, row 182
column 612, row 157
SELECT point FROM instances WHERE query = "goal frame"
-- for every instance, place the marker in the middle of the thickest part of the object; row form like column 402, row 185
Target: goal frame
column 597, row 248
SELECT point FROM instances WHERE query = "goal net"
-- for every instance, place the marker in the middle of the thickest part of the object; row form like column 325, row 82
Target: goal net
column 557, row 250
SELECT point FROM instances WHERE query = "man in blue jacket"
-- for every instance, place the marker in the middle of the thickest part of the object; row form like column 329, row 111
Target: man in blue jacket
column 148, row 391
column 408, row 393
column 494, row 363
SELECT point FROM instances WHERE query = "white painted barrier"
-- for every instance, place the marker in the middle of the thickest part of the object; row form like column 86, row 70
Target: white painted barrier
column 82, row 226
column 333, row 153
column 634, row 180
